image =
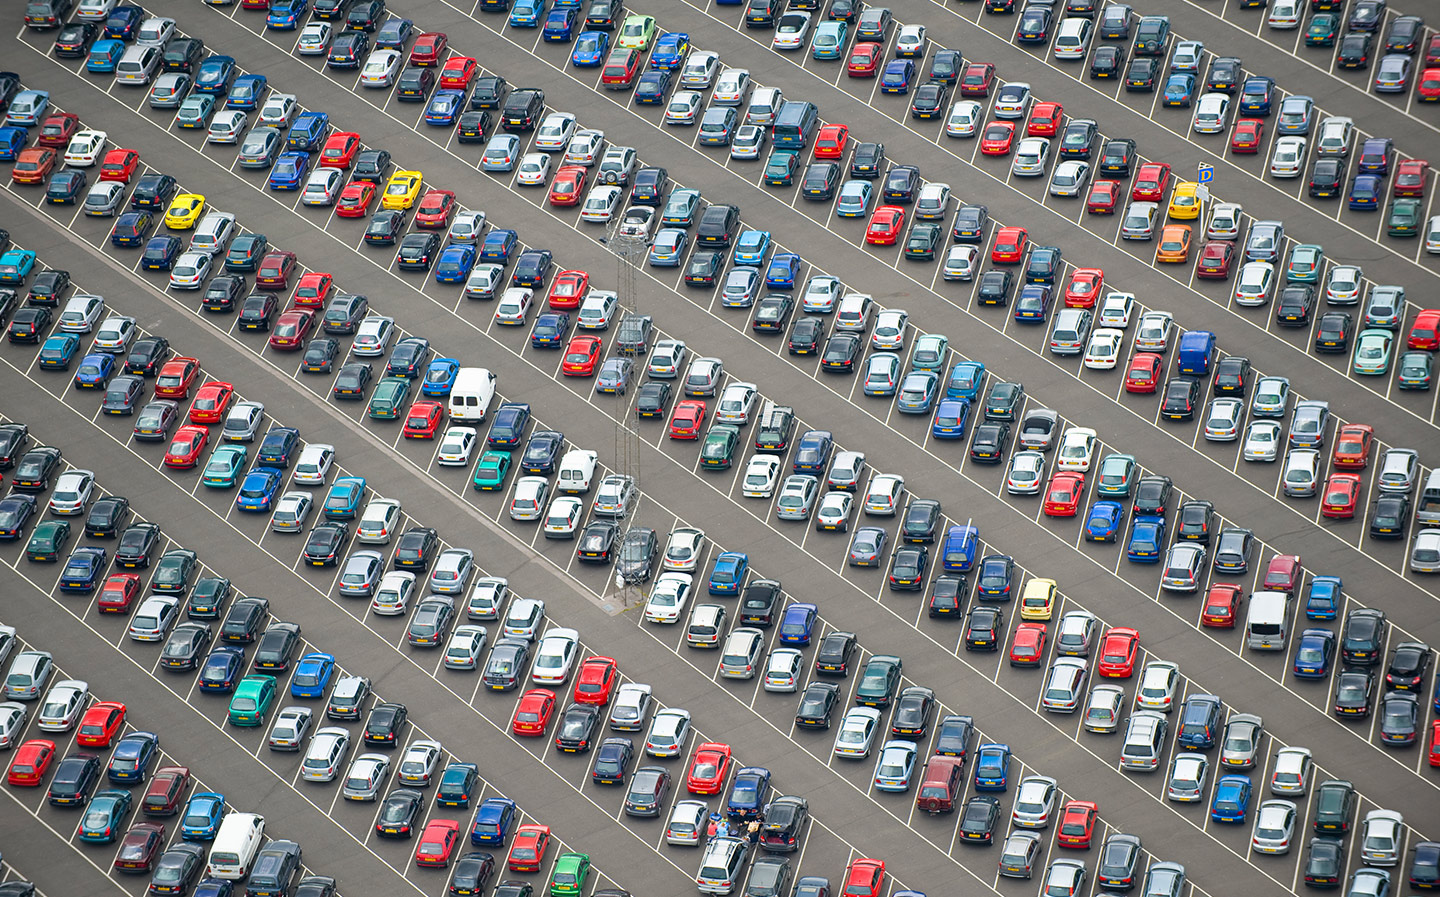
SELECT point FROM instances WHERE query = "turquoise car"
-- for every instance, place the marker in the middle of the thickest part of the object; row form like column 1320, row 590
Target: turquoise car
column 1307, row 260
column 853, row 200
column 343, row 501
column 965, row 381
column 226, row 464
column 1118, row 474
column 195, row 112
column 830, row 40
column 930, row 351
column 1372, row 352
column 16, row 265
column 104, row 818
column 104, row 56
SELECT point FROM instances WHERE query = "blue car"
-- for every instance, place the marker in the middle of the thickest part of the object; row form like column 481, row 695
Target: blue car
column 853, row 200
column 440, row 378
column 752, row 247
column 590, row 49
column 289, row 171
column 223, row 669
column 343, row 500
column 966, row 378
column 312, row 675
column 653, row 88
column 1232, row 799
column 961, row 544
column 550, row 331
column 1105, row 521
column 952, row 418
column 259, row 490
column 455, row 263
column 104, row 817
column 669, row 247
column 394, row 33
column 1314, row 653
column 95, row 371
column 784, row 268
column 285, row 15
column 124, row 22
column 12, row 141
column 16, row 265
column 812, row 452
column 444, row 107
column 728, row 574
column 560, row 24
column 201, row 819
column 214, row 75
column 308, row 131
column 527, row 13
column 1366, row 193
column 1180, row 89
column 1324, row 599
column 1147, row 539
column 992, row 767
column 58, row 351
column 494, row 820
column 130, row 230
column 104, row 56
column 1257, row 95
column 797, row 627
column 670, row 51
column 498, row 245
column 749, row 793
column 898, row 75
column 996, row 581
column 83, row 570
column 133, row 757
column 830, row 40
column 508, row 428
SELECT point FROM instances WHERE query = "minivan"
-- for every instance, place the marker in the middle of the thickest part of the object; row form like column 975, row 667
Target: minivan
column 942, row 780
column 235, row 846
column 1144, row 741
column 275, row 869
column 1427, row 509
column 796, row 124
column 721, row 866
column 707, row 624
column 138, row 65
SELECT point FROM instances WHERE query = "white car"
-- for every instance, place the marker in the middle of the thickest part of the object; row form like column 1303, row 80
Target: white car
column 1432, row 235
column 325, row 755
column 736, row 403
column 213, row 233
column 555, row 656
column 884, row 495
column 889, row 332
column 563, row 517
column 392, row 596
column 910, row 41
column 585, row 147
column 1158, row 681
column 699, row 69
column 466, row 645
column 833, row 512
column 1102, row 353
column 115, row 334
column 1254, row 284
column 279, row 110
column 1262, row 441
column 857, row 733
column 684, row 549
column 533, row 170
column 322, row 187
column 601, row 203
column 292, row 512
column 761, row 474
column 528, row 500
column 731, row 87
column 419, row 762
column 314, row 464
column 1335, row 136
column 1212, row 114
column 1077, row 449
column 598, row 309
column 555, row 132
column 372, row 337
column 668, row 597
column 1222, row 419
column 190, row 271
column 1116, row 309
column 456, row 446
column 960, row 263
column 1070, row 178
column 684, row 107
column 514, row 306
column 964, row 119
column 82, row 313
column 63, row 705
column 1026, row 473
column 85, row 148
column 669, row 731
column 466, row 227
column 1287, row 160
column 315, row 39
column 228, row 126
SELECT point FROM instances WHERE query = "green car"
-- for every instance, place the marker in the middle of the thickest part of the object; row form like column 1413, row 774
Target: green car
column 388, row 400
column 637, row 32
column 717, row 452
column 1404, row 218
column 931, row 350
column 924, row 239
column 48, row 541
column 491, row 471
column 1323, row 30
column 829, row 42
column 226, row 464
column 1117, row 475
column 780, row 168
column 1415, row 371
column 252, row 701
column 1372, row 352
column 1307, row 260
column 879, row 680
column 571, row 870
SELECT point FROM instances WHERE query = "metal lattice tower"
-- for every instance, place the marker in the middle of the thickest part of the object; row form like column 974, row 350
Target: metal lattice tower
column 628, row 254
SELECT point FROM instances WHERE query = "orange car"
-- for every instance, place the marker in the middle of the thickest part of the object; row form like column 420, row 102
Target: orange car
column 1352, row 446
column 33, row 165
column 1174, row 244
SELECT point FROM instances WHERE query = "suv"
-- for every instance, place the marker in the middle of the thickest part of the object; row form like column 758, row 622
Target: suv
column 523, row 108
column 616, row 166
column 777, row 426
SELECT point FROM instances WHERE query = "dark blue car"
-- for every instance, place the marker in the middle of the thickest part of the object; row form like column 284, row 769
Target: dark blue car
column 494, row 820
column 130, row 230
column 749, row 793
column 124, row 22
column 550, row 331
column 1257, row 95
column 214, row 75
column 653, row 88
column 83, row 570
column 498, row 245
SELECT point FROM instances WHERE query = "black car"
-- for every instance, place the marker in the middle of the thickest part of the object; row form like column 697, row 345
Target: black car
column 522, row 109
column 995, row 287
column 1294, row 305
column 760, row 602
column 835, row 653
column 325, row 543
column 417, row 251
column 488, row 92
column 1354, row 691
column 945, row 66
column 576, row 728
column 648, row 787
column 1232, row 375
column 1195, row 521
column 16, row 510
column 867, row 161
column 74, row 40
column 985, row 629
column 978, row 820
column 653, row 399
column 506, row 665
column 416, row 548
column 907, row 568
column 785, row 819
column 182, row 54
column 970, row 224
column 806, row 336
column 531, row 268
column 331, row 9
column 604, row 14
column 1409, row 666
column 1153, row 495
column 650, row 187
column 106, row 515
column 1182, row 394
column 1354, row 50
column 385, row 227
column 277, row 646
column 718, row 225
column 1333, row 332
column 704, row 267
column 1367, row 15
column 1225, row 75
column 901, row 182
column 244, row 619
column 1405, row 34
column 846, row 10
column 414, row 84
column 914, row 711
column 1107, row 62
column 596, row 542
column 66, row 186
column 1140, row 75
column 473, row 872
column 1119, row 859
column 365, row 15
column 178, row 867
column 954, row 736
column 136, row 544
column 320, row 355
column 922, row 518
column 74, row 780
column 1399, row 717
column 384, row 724
column 13, row 439
column 1152, row 36
column 474, row 126
column 1324, row 862
column 409, row 358
column 371, row 165
column 344, row 313
column 820, row 182
column 399, row 813
column 1425, row 865
column 223, row 292
column 817, row 705
column 348, row 50
column 772, row 313
column 258, row 311
column 1004, row 401
column 947, row 596
column 147, row 355
column 29, row 324
column 123, row 395
column 929, row 99
column 48, row 287
column 1362, row 642
column 842, row 351
column 185, row 647
column 35, row 469
column 153, row 192
column 612, row 761
column 988, row 445
column 1327, row 178
column 352, row 381
column 208, row 599
column 924, row 241
column 1234, row 549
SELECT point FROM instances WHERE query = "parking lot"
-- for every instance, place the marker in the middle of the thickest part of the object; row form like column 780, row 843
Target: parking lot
column 849, row 817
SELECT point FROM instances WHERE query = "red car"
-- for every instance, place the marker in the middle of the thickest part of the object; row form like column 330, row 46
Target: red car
column 275, row 270
column 291, row 329
column 533, row 712
column 166, row 791
column 1045, row 120
column 56, row 130
column 1151, row 181
column 1410, row 177
column 1118, row 653
column 979, row 77
column 1085, row 287
column 528, row 848
column 435, row 210
column 119, row 165
column 830, row 142
column 32, row 761
column 1143, row 375
column 186, row 448
column 1077, row 824
column 1435, row 726
column 33, row 165
column 568, row 288
column 864, row 877
column 998, row 139
column 429, row 48
column 340, row 150
column 596, row 681
column 458, row 72
column 686, row 419
column 581, row 356
column 1063, row 494
column 1027, row 649
column 865, row 60
column 176, row 378
column 1352, row 446
column 103, row 722
column 437, row 843
column 1103, row 197
column 1285, row 571
column 708, row 768
column 1222, row 605
column 140, row 846
column 355, row 200
column 566, row 188
column 885, row 226
column 313, row 289
column 1425, row 334
column 211, row 402
column 1342, row 491
column 423, row 420
column 1427, row 90
column 1249, row 133
column 118, row 593
column 1215, row 260
column 621, row 68
column 1009, row 246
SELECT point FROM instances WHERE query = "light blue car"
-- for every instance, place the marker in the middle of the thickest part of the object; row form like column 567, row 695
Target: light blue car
column 854, row 199
column 501, row 154
column 829, row 41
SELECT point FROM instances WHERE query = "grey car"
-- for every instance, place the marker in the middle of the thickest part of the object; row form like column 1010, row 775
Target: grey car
column 366, row 776
column 169, row 90
column 1240, row 744
column 1308, row 424
column 1164, row 880
column 260, row 148
column 1302, row 473
column 1386, row 307
column 1139, row 221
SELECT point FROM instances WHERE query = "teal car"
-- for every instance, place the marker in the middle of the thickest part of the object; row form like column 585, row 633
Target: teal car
column 1307, row 260
column 1372, row 352
column 1416, row 370
column 1118, row 474
column 223, row 469
column 781, row 167
column 104, row 818
column 195, row 111
column 491, row 471
column 252, row 700
column 830, row 40
column 930, row 351
column 390, row 397
column 344, row 498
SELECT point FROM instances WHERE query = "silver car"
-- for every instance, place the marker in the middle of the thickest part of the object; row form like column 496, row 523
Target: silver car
column 1381, row 837
column 243, row 421
column 379, row 522
column 669, row 732
column 1240, row 744
column 1225, row 221
column 1139, row 221
column 1271, row 396
column 1302, row 473
column 1399, row 468
column 452, row 571
column 632, row 705
column 1222, row 419
column 797, row 497
column 291, row 726
column 1183, row 568
column 63, row 704
column 528, row 500
column 325, row 755
column 687, row 823
column 1076, row 634
column 741, row 653
column 703, row 376
column 1104, row 710
column 1152, row 334
column 783, row 670
column 1187, row 778
column 1012, row 100
column 1066, row 685
column 1274, row 827
column 487, row 598
column 1291, row 774
column 366, row 777
column 466, row 645
column 1212, row 114
column 1344, row 285
column 748, row 142
column 1262, row 441
column 361, row 574
column 1158, row 681
column 1287, row 160
column 1032, row 155
column 1070, row 178
column 856, row 735
column 12, row 723
column 1034, row 802
column 822, row 293
column 1026, row 475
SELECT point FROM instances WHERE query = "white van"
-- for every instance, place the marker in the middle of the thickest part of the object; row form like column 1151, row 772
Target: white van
column 235, row 846
column 1427, row 509
column 471, row 395
column 1267, row 622
column 138, row 65
column 576, row 470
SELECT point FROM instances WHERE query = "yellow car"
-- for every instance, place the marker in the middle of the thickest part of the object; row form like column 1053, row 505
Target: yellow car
column 402, row 191
column 1184, row 203
column 185, row 211
column 1037, row 602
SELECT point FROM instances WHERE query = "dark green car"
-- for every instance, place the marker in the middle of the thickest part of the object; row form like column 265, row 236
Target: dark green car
column 924, row 240
column 717, row 452
column 48, row 541
column 391, row 396
column 1404, row 218
column 174, row 571
column 879, row 681
column 491, row 471
column 780, row 168
column 1323, row 30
